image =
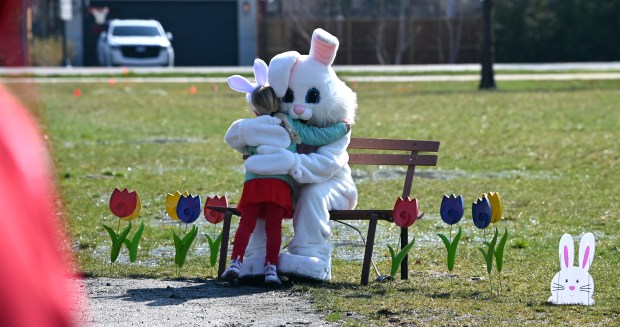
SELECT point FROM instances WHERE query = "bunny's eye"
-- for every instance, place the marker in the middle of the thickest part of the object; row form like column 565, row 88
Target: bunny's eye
column 289, row 97
column 567, row 280
column 313, row 96
column 577, row 281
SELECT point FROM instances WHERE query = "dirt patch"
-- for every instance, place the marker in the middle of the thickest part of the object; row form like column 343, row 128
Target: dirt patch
column 154, row 302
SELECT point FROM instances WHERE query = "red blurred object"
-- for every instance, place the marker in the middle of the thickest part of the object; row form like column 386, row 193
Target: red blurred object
column 112, row 82
column 77, row 92
column 405, row 212
column 192, row 90
column 213, row 216
column 36, row 286
column 123, row 203
column 14, row 28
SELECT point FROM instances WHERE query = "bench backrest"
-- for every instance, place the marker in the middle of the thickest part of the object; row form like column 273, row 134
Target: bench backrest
column 411, row 159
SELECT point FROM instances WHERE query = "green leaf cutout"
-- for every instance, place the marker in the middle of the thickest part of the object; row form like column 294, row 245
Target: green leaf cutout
column 398, row 258
column 132, row 245
column 182, row 245
column 451, row 247
column 117, row 240
column 488, row 255
column 214, row 247
column 499, row 252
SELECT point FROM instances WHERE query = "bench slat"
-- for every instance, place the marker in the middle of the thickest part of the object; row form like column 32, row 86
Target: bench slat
column 360, row 214
column 392, row 159
column 391, row 144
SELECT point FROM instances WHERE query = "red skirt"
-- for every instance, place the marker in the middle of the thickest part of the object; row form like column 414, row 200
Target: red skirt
column 267, row 190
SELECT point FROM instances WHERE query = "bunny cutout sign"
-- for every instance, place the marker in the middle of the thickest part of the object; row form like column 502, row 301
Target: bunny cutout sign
column 574, row 285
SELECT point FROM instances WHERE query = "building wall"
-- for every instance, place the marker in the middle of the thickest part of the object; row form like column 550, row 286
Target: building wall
column 205, row 33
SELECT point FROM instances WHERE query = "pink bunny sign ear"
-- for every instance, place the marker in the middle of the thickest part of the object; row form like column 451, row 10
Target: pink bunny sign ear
column 260, row 72
column 567, row 251
column 241, row 84
column 586, row 251
column 323, row 47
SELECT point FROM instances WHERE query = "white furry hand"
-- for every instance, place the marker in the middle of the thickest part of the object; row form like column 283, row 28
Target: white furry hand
column 264, row 130
column 271, row 160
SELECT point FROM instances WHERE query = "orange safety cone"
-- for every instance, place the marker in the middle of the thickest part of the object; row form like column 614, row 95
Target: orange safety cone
column 192, row 90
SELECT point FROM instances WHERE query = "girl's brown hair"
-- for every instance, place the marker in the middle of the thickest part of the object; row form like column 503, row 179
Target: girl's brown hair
column 266, row 102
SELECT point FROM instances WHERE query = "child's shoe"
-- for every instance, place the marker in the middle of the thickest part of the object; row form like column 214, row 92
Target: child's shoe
column 232, row 272
column 271, row 275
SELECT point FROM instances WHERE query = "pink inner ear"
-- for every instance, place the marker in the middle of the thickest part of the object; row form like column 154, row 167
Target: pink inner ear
column 585, row 257
column 566, row 256
column 323, row 52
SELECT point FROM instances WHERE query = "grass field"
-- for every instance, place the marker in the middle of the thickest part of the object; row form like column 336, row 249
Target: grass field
column 550, row 148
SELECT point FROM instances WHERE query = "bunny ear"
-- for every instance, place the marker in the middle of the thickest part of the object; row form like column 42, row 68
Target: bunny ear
column 260, row 72
column 240, row 84
column 586, row 251
column 323, row 47
column 567, row 251
column 280, row 68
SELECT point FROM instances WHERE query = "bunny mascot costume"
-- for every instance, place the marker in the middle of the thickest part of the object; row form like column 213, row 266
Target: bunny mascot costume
column 311, row 92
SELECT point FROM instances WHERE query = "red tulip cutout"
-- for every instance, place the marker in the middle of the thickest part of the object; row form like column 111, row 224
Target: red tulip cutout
column 123, row 203
column 405, row 212
column 212, row 216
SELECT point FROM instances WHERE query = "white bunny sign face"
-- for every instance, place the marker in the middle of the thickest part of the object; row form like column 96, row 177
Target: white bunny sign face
column 573, row 284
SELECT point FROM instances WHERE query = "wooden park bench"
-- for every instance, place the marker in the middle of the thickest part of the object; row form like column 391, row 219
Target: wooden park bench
column 409, row 156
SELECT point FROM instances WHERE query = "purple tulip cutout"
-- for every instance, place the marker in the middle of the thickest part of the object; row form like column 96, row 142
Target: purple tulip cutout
column 481, row 212
column 452, row 209
column 188, row 208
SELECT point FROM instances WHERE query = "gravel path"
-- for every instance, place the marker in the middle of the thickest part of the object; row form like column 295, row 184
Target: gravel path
column 153, row 302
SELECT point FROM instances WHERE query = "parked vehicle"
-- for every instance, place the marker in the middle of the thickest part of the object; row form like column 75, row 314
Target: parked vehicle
column 135, row 42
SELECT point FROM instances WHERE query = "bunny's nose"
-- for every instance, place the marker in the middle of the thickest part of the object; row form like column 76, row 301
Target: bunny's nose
column 299, row 109
column 572, row 288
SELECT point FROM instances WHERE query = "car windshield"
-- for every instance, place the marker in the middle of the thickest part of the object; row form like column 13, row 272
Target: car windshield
column 135, row 31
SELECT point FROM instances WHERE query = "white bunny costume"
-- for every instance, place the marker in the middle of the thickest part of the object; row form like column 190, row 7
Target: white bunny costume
column 310, row 91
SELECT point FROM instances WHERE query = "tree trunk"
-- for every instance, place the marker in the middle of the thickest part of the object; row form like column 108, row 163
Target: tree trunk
column 487, row 81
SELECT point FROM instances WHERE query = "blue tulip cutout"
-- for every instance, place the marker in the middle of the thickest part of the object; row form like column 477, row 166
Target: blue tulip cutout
column 482, row 213
column 452, row 209
column 188, row 208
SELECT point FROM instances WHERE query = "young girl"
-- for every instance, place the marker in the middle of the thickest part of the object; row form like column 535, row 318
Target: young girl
column 269, row 197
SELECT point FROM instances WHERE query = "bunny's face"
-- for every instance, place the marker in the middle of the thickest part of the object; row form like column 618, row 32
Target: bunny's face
column 316, row 95
column 308, row 85
column 574, row 285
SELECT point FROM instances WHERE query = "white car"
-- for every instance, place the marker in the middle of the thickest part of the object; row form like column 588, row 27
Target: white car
column 135, row 42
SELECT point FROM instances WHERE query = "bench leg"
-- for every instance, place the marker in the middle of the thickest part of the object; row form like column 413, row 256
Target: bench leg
column 224, row 244
column 370, row 243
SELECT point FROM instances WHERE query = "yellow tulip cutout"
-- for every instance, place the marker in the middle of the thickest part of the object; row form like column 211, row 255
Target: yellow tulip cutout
column 496, row 206
column 171, row 203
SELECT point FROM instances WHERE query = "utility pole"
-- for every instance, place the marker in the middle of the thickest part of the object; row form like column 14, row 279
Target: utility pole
column 66, row 14
column 487, row 78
